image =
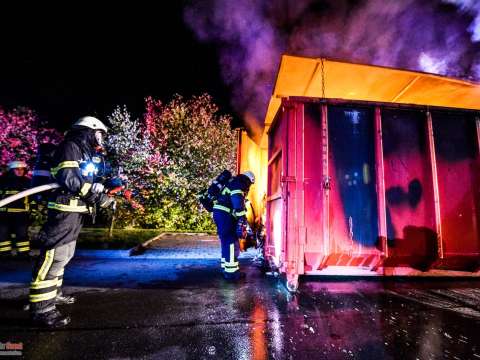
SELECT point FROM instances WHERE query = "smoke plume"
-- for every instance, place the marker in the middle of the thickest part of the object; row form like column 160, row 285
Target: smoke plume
column 439, row 36
column 472, row 7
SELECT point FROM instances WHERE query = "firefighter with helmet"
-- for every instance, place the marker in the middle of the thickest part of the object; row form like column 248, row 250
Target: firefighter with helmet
column 14, row 217
column 229, row 214
column 74, row 170
column 41, row 174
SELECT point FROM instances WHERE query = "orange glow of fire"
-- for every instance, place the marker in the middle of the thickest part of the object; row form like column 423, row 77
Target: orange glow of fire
column 254, row 158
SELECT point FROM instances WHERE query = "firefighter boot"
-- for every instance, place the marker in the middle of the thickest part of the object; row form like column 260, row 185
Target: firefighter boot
column 236, row 276
column 62, row 299
column 52, row 319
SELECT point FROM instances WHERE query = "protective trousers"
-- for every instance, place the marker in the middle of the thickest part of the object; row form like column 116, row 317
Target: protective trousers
column 47, row 277
column 226, row 229
column 14, row 231
column 61, row 228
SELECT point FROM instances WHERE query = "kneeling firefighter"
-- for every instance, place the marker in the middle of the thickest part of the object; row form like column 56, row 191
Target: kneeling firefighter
column 229, row 214
column 14, row 218
column 74, row 171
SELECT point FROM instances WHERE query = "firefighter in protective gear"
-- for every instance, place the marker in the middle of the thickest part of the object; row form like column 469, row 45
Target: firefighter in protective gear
column 41, row 174
column 229, row 214
column 14, row 217
column 74, row 171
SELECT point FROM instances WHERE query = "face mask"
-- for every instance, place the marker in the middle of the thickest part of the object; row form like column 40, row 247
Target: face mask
column 99, row 138
column 19, row 172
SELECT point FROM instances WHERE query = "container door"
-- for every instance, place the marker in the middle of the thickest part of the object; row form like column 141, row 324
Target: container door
column 353, row 200
column 410, row 207
column 315, row 185
column 457, row 155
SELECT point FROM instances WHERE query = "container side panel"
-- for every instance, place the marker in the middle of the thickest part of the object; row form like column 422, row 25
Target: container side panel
column 313, row 181
column 353, row 211
column 274, row 246
column 275, row 186
column 274, row 223
column 412, row 240
column 275, row 141
column 457, row 157
column 275, row 203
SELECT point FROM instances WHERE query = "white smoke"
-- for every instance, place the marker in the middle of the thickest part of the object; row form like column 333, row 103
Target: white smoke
column 432, row 65
column 472, row 7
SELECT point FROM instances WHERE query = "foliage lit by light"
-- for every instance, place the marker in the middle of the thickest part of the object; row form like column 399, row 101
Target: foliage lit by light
column 21, row 131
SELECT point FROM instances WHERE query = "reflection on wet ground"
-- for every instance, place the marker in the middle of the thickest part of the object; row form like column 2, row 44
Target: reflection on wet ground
column 182, row 309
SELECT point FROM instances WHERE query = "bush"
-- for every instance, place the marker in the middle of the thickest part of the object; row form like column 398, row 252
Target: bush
column 170, row 156
column 21, row 131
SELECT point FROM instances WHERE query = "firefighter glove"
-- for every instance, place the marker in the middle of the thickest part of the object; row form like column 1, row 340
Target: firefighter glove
column 97, row 188
column 105, row 201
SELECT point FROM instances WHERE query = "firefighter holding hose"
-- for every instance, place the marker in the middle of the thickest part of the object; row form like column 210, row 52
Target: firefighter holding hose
column 14, row 217
column 229, row 214
column 74, row 170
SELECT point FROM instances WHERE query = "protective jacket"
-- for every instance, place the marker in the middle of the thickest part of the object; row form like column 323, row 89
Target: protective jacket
column 11, row 185
column 232, row 198
column 74, row 170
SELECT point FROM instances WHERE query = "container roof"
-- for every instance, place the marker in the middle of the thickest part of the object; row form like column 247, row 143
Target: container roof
column 300, row 76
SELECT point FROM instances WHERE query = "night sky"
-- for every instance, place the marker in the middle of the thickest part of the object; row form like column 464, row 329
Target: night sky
column 90, row 59
column 66, row 62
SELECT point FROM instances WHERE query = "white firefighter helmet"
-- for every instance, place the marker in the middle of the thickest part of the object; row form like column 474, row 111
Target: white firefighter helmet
column 18, row 164
column 250, row 176
column 91, row 123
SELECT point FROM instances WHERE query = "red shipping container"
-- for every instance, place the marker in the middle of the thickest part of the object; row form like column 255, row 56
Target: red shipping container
column 370, row 171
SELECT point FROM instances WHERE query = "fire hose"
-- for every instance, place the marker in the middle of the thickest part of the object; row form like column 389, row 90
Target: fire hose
column 38, row 189
column 28, row 192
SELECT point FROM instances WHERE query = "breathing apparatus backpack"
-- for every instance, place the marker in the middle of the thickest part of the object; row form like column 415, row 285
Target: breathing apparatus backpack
column 209, row 196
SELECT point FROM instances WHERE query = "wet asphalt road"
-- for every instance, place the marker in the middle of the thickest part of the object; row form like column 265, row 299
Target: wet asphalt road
column 169, row 304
